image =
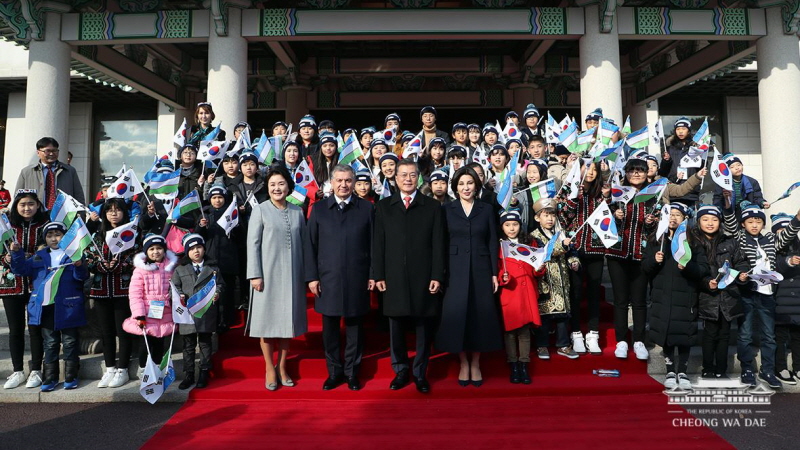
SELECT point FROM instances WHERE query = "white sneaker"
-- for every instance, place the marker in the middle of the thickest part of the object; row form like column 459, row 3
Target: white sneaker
column 14, row 380
column 34, row 379
column 671, row 382
column 684, row 383
column 120, row 378
column 593, row 343
column 621, row 351
column 577, row 342
column 640, row 351
column 107, row 377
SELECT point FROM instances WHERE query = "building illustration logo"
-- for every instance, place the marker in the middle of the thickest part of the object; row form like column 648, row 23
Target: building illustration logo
column 720, row 392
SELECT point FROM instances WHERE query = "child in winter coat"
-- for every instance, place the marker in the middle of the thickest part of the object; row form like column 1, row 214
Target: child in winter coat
column 673, row 313
column 554, row 288
column 719, row 306
column 189, row 278
column 787, row 300
column 150, row 297
column 222, row 248
column 745, row 188
column 761, row 250
column 60, row 313
column 519, row 299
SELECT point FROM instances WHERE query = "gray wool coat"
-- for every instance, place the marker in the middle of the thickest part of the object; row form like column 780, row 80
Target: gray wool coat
column 276, row 240
column 187, row 282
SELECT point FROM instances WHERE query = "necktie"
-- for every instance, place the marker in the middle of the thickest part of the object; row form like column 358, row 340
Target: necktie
column 50, row 187
column 197, row 270
column 341, row 206
column 407, row 199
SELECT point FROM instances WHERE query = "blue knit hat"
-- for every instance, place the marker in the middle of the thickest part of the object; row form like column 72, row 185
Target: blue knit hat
column 153, row 239
column 440, row 175
column 730, row 158
column 709, row 210
column 512, row 215
column 190, row 240
column 680, row 207
column 780, row 221
column 683, row 122
column 327, row 137
column 389, row 156
column 530, row 111
column 54, row 226
column 597, row 114
column 751, row 210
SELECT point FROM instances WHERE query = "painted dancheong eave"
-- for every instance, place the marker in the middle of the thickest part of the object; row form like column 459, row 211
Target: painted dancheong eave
column 158, row 26
column 709, row 24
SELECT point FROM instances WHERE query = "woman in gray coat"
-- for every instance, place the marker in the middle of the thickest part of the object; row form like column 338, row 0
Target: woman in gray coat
column 276, row 237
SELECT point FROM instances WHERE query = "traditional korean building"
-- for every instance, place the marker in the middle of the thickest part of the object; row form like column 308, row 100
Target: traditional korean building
column 113, row 79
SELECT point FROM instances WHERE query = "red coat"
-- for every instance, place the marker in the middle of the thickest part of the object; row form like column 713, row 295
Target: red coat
column 519, row 296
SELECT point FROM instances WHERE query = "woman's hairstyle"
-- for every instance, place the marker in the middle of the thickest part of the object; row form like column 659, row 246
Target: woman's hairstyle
column 594, row 188
column 539, row 168
column 465, row 171
column 634, row 163
column 205, row 106
column 108, row 204
column 16, row 219
column 321, row 171
column 291, row 144
column 523, row 237
column 275, row 170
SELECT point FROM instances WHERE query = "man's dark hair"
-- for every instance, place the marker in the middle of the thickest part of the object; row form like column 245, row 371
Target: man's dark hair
column 45, row 141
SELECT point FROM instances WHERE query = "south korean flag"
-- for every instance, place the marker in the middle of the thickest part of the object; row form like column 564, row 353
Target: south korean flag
column 695, row 158
column 604, row 225
column 123, row 237
column 720, row 172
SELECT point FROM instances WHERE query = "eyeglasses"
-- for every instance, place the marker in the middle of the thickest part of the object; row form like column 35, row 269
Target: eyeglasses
column 48, row 150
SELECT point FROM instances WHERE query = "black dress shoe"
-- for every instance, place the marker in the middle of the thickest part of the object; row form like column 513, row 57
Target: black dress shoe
column 515, row 376
column 332, row 383
column 400, row 380
column 422, row 385
column 524, row 376
column 187, row 382
column 202, row 380
column 353, row 384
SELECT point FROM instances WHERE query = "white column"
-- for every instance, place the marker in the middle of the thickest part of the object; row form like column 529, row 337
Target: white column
column 17, row 153
column 296, row 103
column 601, row 85
column 227, row 73
column 168, row 124
column 641, row 115
column 47, row 94
column 778, row 104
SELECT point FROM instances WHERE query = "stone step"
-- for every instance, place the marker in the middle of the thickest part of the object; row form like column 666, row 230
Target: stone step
column 92, row 366
column 656, row 366
column 88, row 392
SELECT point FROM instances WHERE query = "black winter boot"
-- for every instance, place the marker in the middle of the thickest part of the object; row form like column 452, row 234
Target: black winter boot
column 514, row 376
column 187, row 382
column 51, row 373
column 71, row 369
column 202, row 380
column 523, row 373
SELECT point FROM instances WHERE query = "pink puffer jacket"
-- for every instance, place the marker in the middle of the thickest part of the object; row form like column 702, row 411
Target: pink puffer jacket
column 150, row 282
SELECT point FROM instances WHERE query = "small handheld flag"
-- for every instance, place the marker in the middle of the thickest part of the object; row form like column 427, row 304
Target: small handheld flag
column 505, row 193
column 620, row 193
column 201, row 301
column 386, row 190
column 212, row 150
column 604, row 225
column 122, row 237
column 65, row 209
column 720, row 172
column 681, row 251
column 179, row 312
column 569, row 137
column 626, row 127
column 351, row 150
column 788, row 191
column 543, row 189
column 125, row 186
column 702, row 138
column 49, row 288
column 651, row 191
column 695, row 157
column 663, row 222
column 164, row 186
column 573, row 180
column 639, row 138
column 607, row 130
column 230, row 218
column 186, row 205
column 76, row 240
column 180, row 135
column 728, row 276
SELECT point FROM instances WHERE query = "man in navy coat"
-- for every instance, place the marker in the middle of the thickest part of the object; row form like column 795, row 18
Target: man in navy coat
column 337, row 270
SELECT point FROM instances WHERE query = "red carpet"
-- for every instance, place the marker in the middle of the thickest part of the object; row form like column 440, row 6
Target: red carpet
column 565, row 406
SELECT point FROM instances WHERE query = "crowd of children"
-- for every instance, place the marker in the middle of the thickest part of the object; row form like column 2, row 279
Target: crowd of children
column 132, row 290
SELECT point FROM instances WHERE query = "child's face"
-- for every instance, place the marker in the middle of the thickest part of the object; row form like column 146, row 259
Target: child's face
column 188, row 157
column 652, row 168
column 306, row 133
column 460, row 135
column 474, row 136
column 249, row 169
column 328, row 149
column 591, row 173
column 490, row 139
column 591, row 124
column 27, row 207
column 393, row 123
column 681, row 132
column 736, row 169
column 547, row 219
column 156, row 253
column 378, row 151
column 753, row 226
column 536, row 150
column 114, row 215
column 562, row 159
column 513, row 148
column 292, row 154
column 675, row 219
column 437, row 152
column 366, row 138
column 532, row 174
column 362, row 188
column 499, row 160
column 388, row 168
column 709, row 224
column 456, row 162
column 439, row 187
column 511, row 229
column 196, row 253
column 231, row 167
column 279, row 130
column 52, row 238
column 531, row 121
column 217, row 201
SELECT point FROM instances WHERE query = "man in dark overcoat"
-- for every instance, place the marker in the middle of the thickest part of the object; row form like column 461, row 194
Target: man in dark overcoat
column 408, row 266
column 337, row 271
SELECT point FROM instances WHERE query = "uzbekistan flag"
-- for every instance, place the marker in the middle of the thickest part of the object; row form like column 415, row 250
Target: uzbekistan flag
column 65, row 209
column 651, row 191
column 702, row 138
column 584, row 140
column 165, row 185
column 351, row 150
column 199, row 303
column 386, row 190
column 298, row 195
column 76, row 240
column 123, row 237
column 569, row 137
column 186, row 205
column 264, row 150
column 681, row 251
column 607, row 130
column 48, row 290
column 626, row 127
column 788, row 191
column 6, row 231
column 543, row 189
column 729, row 275
column 213, row 135
column 639, row 138
column 505, row 192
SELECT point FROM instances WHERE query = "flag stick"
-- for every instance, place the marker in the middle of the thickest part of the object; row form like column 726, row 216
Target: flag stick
column 662, row 243
column 99, row 253
column 61, row 265
column 202, row 214
column 703, row 179
column 504, row 262
column 150, row 202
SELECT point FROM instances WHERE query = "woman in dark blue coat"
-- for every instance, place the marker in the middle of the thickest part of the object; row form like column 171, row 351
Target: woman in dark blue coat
column 470, row 317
